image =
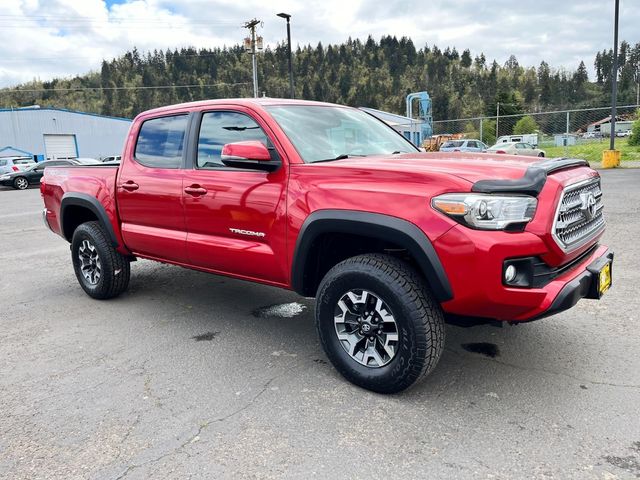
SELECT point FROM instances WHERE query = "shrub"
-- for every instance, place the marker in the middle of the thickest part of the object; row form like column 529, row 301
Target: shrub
column 525, row 125
column 634, row 139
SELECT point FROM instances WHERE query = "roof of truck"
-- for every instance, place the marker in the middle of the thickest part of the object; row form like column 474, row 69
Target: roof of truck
column 262, row 101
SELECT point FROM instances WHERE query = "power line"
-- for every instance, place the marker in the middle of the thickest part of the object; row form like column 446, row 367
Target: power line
column 141, row 87
column 143, row 56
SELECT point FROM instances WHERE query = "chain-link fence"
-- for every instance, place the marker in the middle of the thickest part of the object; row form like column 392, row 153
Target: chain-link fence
column 550, row 129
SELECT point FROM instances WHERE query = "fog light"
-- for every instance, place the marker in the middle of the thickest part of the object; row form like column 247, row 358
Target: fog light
column 510, row 274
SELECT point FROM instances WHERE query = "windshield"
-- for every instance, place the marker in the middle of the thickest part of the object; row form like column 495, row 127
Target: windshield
column 322, row 133
column 457, row 143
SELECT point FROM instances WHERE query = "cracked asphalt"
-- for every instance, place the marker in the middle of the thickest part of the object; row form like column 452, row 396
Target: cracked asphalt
column 189, row 375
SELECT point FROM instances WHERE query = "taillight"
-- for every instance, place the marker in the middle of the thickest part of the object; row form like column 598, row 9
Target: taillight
column 15, row 169
column 500, row 151
column 42, row 185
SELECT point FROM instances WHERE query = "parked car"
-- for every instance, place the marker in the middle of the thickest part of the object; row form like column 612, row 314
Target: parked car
column 15, row 164
column 517, row 148
column 588, row 135
column 87, row 161
column 464, row 145
column 332, row 203
column 32, row 175
column 624, row 133
column 530, row 138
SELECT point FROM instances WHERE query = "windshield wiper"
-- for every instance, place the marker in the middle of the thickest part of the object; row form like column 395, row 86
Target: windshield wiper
column 339, row 157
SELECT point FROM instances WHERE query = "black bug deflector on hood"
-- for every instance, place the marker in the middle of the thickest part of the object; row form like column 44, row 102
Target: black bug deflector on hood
column 532, row 181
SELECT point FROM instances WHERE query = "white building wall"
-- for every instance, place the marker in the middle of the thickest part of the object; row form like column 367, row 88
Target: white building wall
column 95, row 135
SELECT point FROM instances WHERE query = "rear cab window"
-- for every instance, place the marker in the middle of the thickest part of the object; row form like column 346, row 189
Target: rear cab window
column 160, row 142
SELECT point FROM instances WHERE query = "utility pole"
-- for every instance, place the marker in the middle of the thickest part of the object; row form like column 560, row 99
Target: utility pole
column 288, row 17
column 614, row 80
column 638, row 82
column 250, row 45
column 497, row 118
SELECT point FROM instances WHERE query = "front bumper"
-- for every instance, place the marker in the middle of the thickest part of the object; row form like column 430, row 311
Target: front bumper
column 474, row 264
column 584, row 285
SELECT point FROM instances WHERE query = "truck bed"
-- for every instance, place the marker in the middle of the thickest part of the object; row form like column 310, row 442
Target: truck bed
column 95, row 184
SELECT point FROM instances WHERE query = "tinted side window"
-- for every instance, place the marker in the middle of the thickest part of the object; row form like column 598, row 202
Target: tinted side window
column 160, row 142
column 220, row 128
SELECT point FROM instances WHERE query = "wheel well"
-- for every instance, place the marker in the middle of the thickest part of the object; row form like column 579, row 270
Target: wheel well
column 74, row 216
column 329, row 249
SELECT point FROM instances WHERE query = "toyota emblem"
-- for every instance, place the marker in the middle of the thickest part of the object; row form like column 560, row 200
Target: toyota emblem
column 588, row 207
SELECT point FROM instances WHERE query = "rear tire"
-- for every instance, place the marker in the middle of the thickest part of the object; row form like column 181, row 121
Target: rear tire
column 101, row 270
column 20, row 183
column 541, row 154
column 385, row 297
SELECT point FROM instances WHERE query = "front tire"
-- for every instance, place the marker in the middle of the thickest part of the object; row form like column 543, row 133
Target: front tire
column 20, row 183
column 541, row 154
column 379, row 325
column 101, row 270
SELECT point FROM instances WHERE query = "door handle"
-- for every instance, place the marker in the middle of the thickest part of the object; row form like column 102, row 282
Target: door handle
column 195, row 190
column 130, row 186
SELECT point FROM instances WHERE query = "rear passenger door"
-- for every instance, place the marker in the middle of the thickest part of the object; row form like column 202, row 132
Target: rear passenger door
column 149, row 189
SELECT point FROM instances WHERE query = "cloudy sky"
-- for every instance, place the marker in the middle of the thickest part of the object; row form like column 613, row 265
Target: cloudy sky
column 49, row 38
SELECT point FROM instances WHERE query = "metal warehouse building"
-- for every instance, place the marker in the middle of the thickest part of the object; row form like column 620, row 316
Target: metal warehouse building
column 54, row 132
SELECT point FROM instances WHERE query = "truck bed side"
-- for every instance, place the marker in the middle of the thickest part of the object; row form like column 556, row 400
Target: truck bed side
column 73, row 195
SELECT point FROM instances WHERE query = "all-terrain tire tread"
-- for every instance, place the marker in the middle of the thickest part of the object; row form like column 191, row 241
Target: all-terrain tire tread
column 119, row 268
column 428, row 319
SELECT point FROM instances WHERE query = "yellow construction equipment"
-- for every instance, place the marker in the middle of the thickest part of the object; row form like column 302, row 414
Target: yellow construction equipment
column 434, row 143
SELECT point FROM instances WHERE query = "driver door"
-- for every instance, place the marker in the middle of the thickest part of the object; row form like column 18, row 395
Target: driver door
column 235, row 217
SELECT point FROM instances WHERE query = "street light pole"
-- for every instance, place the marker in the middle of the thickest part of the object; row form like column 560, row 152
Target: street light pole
column 614, row 80
column 288, row 18
column 497, row 118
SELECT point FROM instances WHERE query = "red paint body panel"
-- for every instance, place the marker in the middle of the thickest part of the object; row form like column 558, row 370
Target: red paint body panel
column 246, row 223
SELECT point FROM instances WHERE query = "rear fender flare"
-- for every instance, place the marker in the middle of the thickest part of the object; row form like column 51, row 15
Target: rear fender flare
column 92, row 204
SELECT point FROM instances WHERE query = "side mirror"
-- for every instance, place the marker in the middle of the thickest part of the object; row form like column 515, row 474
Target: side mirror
column 251, row 154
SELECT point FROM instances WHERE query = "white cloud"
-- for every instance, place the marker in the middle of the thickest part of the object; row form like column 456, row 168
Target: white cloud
column 48, row 38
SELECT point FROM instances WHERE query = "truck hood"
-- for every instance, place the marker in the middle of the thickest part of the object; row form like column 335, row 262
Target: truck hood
column 471, row 167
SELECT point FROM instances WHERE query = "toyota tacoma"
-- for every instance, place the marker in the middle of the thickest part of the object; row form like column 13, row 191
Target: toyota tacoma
column 332, row 203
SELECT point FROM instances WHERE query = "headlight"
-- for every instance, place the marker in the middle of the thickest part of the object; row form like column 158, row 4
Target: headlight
column 486, row 212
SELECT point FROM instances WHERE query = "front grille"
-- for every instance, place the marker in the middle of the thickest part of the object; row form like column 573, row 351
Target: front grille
column 579, row 216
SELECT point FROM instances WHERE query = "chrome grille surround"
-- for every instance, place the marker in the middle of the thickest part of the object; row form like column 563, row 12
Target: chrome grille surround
column 573, row 225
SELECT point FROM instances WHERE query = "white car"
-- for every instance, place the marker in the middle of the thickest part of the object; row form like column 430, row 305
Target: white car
column 624, row 133
column 15, row 164
column 516, row 148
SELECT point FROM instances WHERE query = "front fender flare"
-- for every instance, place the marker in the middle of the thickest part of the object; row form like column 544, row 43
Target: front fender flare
column 382, row 227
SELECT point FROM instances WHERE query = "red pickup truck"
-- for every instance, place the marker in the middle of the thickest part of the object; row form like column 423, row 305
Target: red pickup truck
column 328, row 201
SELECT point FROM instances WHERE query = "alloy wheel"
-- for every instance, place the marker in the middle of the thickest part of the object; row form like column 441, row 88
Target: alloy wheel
column 366, row 328
column 90, row 265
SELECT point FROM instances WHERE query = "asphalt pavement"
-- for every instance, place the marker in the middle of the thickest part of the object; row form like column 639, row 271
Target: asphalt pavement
column 189, row 375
